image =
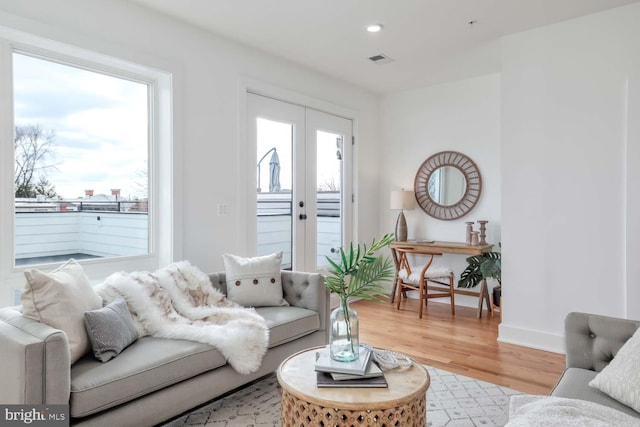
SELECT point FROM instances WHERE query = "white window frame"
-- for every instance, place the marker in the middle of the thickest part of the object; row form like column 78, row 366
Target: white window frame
column 160, row 157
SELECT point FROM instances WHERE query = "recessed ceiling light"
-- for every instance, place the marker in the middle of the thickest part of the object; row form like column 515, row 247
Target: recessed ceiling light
column 374, row 28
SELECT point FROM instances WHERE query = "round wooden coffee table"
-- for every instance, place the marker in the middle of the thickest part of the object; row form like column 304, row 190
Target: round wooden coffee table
column 403, row 403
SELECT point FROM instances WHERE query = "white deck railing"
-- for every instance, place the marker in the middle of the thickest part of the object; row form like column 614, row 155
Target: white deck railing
column 100, row 234
column 108, row 234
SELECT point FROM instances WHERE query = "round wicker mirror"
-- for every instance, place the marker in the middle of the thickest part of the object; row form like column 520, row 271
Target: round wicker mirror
column 448, row 185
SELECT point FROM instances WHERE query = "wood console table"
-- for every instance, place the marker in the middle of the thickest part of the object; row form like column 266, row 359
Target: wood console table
column 435, row 247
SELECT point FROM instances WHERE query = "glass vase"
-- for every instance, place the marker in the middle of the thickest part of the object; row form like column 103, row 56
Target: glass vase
column 343, row 336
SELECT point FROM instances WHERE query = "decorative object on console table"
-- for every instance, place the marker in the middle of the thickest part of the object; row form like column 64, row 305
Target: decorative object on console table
column 469, row 231
column 357, row 273
column 483, row 232
column 474, row 238
column 402, row 200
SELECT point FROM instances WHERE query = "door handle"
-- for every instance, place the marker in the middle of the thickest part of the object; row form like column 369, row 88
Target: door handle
column 302, row 216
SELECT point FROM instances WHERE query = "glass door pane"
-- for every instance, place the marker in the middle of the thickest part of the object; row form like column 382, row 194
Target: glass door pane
column 274, row 189
column 329, row 199
column 329, row 142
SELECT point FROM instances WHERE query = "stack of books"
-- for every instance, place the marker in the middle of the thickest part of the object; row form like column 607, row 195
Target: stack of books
column 362, row 372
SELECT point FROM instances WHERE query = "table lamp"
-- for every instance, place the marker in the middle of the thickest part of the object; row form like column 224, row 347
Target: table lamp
column 402, row 199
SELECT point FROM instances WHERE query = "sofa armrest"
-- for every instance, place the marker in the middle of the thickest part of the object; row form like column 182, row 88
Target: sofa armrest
column 593, row 340
column 35, row 361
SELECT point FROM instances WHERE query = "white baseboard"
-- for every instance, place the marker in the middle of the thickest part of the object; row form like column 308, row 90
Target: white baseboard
column 531, row 338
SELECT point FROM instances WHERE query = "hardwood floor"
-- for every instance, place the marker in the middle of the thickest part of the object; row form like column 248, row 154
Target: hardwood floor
column 462, row 344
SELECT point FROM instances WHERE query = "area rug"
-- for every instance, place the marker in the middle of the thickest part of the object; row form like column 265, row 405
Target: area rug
column 452, row 400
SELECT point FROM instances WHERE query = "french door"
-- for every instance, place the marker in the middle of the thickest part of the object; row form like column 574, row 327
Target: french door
column 303, row 193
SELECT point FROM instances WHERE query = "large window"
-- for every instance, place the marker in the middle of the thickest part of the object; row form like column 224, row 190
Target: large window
column 81, row 163
column 86, row 162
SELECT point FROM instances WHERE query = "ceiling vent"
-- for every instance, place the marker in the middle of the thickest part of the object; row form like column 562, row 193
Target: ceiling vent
column 380, row 58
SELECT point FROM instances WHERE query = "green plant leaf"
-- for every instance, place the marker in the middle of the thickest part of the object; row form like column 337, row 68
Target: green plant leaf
column 343, row 256
column 359, row 272
column 491, row 268
column 470, row 277
column 485, row 266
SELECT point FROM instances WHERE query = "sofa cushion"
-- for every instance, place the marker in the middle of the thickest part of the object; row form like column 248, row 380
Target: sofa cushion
column 59, row 299
column 254, row 282
column 574, row 383
column 288, row 323
column 147, row 365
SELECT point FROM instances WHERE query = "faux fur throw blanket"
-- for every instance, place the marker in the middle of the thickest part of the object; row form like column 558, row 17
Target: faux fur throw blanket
column 179, row 302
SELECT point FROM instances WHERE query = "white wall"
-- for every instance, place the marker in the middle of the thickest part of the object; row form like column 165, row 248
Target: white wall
column 556, row 136
column 461, row 116
column 208, row 75
column 570, row 180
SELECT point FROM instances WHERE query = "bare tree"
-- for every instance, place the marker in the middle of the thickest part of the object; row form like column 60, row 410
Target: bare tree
column 33, row 150
column 329, row 184
column 141, row 182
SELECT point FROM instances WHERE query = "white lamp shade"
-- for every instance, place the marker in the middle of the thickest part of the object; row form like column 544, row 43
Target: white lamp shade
column 402, row 199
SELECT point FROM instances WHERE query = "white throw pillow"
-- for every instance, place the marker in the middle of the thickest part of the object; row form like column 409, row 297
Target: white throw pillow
column 254, row 282
column 59, row 299
column 620, row 379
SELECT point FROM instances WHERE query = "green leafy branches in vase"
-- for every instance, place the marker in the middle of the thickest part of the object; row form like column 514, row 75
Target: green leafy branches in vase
column 358, row 273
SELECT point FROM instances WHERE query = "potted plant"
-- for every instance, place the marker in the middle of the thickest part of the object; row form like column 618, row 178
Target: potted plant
column 485, row 266
column 357, row 273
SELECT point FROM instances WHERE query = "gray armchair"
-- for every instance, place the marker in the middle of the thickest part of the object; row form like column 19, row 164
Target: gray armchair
column 591, row 343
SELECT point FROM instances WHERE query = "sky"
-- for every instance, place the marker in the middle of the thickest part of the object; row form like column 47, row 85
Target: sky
column 100, row 124
column 101, row 130
column 278, row 135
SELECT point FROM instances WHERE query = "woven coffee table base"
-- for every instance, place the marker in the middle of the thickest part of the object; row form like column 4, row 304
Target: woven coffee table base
column 298, row 413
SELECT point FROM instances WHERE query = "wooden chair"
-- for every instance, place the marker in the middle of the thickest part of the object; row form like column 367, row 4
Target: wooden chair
column 430, row 282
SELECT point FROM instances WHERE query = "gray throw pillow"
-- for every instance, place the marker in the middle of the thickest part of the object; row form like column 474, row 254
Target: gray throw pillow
column 110, row 329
